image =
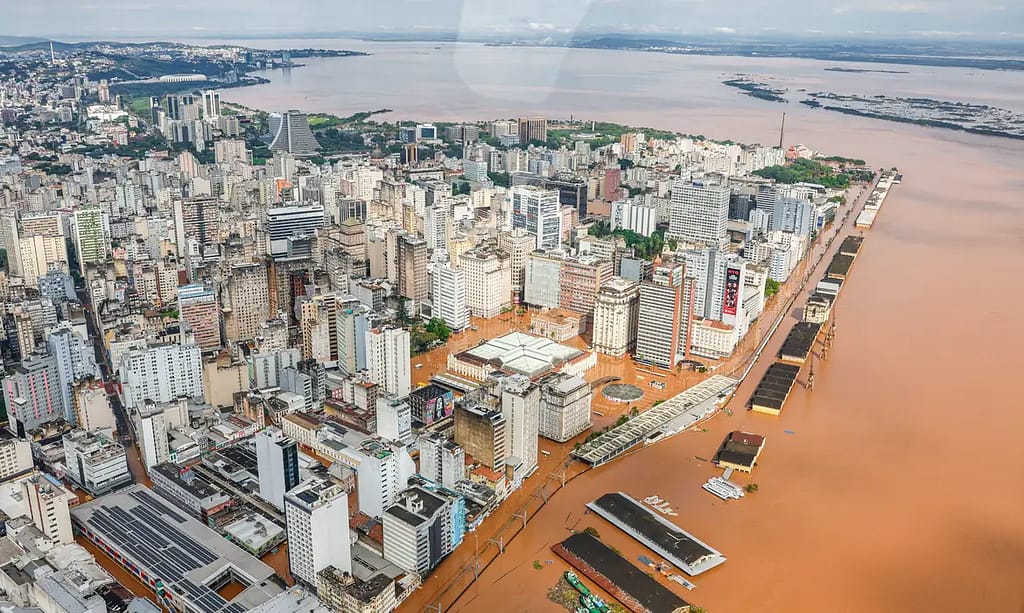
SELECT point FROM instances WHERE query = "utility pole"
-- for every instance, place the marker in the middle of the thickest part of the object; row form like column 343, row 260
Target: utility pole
column 810, row 375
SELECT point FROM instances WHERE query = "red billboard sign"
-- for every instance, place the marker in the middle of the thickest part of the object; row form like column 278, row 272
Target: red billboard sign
column 732, row 291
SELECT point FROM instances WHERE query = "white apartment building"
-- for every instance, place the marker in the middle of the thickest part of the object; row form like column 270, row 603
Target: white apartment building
column 382, row 471
column 48, row 503
column 442, row 460
column 387, row 356
column 488, row 281
column 449, row 295
column 316, row 518
column 564, row 406
column 277, row 462
column 517, row 244
column 699, row 212
column 161, row 373
column 538, row 212
column 616, row 312
column 520, row 404
column 394, row 419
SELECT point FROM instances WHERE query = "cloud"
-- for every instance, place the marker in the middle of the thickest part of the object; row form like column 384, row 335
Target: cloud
column 886, row 7
column 725, row 30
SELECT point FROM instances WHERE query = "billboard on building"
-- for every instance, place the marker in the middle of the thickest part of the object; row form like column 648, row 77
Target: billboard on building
column 732, row 291
column 438, row 408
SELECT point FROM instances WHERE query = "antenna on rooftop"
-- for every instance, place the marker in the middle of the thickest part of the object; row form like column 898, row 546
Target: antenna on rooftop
column 782, row 130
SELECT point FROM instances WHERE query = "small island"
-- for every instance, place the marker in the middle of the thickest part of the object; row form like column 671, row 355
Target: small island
column 963, row 116
column 756, row 89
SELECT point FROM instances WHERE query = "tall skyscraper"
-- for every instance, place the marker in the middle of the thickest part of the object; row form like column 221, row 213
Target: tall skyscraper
column 316, row 519
column 449, row 294
column 660, row 309
column 388, row 359
column 277, row 458
column 538, row 212
column 197, row 306
column 520, row 403
column 699, row 212
column 76, row 361
column 533, row 129
column 290, row 132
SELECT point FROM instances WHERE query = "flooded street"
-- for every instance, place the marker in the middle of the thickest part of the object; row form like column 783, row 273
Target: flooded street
column 898, row 487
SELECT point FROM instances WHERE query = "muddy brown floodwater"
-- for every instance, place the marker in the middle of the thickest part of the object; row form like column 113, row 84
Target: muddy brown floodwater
column 900, row 487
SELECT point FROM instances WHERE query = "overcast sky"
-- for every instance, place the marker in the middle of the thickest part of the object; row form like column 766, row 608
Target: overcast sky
column 992, row 19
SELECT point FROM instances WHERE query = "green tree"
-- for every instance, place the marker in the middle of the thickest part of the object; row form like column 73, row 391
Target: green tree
column 438, row 328
column 402, row 313
column 771, row 287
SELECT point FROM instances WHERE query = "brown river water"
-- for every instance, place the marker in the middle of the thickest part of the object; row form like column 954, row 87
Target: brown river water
column 900, row 488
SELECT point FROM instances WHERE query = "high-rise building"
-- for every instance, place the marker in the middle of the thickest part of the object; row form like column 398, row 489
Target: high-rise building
column 616, row 312
column 579, row 280
column 197, row 306
column 442, row 460
column 246, row 298
column 211, row 106
column 419, row 530
column 387, row 356
column 90, row 237
column 39, row 254
column 520, row 403
column 277, row 459
column 316, row 518
column 412, row 268
column 95, row 463
column 699, row 212
column 153, row 422
column 394, row 420
column 285, row 222
column 318, row 322
column 538, row 212
column 449, row 294
column 161, row 373
column 793, row 215
column 76, row 360
column 636, row 217
column 660, row 310
column 543, row 287
column 32, row 394
column 532, row 129
column 196, row 218
column 384, row 471
column 564, row 406
column 481, row 431
column 518, row 244
column 488, row 281
column 290, row 132
column 48, row 507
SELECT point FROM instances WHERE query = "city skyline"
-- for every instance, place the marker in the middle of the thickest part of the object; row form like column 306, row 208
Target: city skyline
column 928, row 19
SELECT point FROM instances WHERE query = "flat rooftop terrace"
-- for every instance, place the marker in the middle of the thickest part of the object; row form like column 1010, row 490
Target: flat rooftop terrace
column 661, row 536
column 695, row 402
column 138, row 529
column 629, row 584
